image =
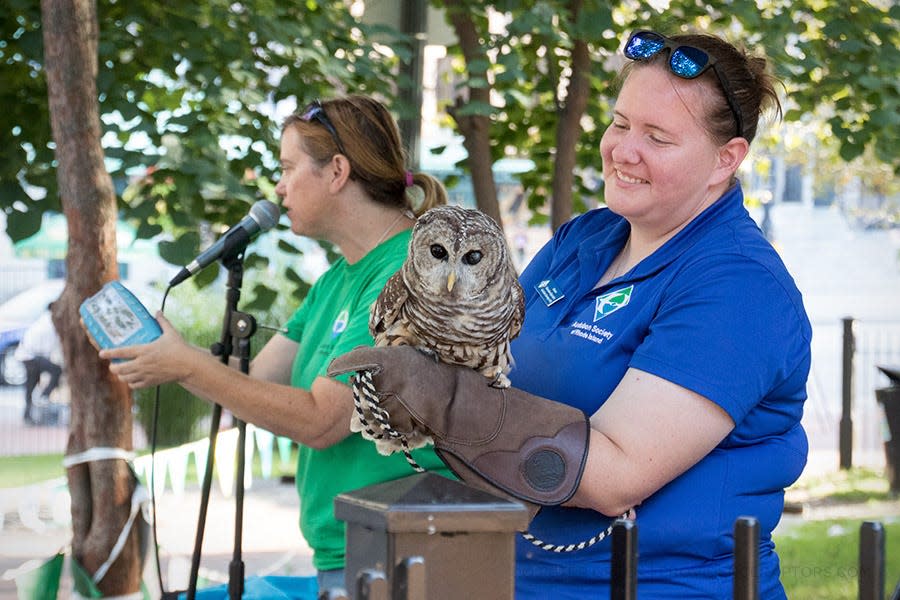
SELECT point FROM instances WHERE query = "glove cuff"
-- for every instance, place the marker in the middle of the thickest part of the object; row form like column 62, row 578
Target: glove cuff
column 542, row 470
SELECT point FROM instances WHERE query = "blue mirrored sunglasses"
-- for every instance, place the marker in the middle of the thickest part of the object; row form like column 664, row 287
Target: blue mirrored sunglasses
column 686, row 62
column 316, row 112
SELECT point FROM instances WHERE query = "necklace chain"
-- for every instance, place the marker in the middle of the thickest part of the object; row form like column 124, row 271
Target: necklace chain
column 388, row 230
column 616, row 268
column 618, row 263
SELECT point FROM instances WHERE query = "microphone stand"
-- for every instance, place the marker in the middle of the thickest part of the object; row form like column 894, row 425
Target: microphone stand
column 238, row 326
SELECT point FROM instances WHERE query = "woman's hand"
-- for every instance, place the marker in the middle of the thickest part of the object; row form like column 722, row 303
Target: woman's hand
column 166, row 359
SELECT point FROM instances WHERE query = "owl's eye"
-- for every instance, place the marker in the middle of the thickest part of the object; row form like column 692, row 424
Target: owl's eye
column 438, row 251
column 473, row 257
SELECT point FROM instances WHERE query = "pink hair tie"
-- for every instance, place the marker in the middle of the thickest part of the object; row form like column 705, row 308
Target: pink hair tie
column 409, row 179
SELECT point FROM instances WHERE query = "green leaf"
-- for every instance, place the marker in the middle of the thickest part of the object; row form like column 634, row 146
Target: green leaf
column 884, row 119
column 147, row 230
column 22, row 225
column 182, row 250
column 851, row 150
column 263, row 298
column 594, row 20
column 478, row 66
column 475, row 108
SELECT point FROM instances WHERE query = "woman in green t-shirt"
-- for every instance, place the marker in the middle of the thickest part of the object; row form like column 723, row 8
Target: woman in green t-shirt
column 343, row 180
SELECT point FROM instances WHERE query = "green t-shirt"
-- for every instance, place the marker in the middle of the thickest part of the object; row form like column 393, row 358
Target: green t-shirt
column 334, row 319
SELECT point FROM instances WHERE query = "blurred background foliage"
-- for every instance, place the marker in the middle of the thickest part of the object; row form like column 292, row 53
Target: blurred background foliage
column 189, row 95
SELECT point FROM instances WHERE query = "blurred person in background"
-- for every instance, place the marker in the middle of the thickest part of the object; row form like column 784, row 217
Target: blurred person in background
column 40, row 352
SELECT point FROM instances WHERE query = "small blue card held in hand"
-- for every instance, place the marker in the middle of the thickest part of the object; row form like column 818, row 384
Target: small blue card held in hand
column 114, row 317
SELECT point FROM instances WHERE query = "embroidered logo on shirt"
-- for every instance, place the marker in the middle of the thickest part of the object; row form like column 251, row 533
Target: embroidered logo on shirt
column 591, row 333
column 610, row 302
column 340, row 324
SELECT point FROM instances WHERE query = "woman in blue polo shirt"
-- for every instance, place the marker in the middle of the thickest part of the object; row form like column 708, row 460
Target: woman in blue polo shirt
column 662, row 366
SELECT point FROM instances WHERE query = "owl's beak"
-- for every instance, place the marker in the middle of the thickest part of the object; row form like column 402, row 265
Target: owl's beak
column 451, row 279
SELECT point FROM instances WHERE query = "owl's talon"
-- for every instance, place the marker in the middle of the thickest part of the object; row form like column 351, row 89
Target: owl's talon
column 429, row 352
column 500, row 381
column 422, row 305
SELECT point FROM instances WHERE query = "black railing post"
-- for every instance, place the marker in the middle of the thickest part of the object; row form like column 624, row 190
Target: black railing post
column 623, row 576
column 746, row 559
column 846, row 431
column 871, row 561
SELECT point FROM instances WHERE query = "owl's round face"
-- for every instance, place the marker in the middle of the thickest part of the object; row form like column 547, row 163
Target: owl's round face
column 455, row 252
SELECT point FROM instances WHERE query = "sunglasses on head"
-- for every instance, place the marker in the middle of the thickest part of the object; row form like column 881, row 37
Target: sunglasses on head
column 686, row 62
column 316, row 112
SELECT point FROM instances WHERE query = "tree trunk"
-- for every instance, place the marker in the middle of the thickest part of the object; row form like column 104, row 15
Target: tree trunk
column 476, row 129
column 568, row 130
column 100, row 405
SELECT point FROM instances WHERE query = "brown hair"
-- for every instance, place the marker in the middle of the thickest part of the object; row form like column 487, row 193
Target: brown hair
column 747, row 76
column 371, row 142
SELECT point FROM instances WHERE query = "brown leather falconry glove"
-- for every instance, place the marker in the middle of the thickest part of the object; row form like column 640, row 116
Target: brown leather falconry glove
column 522, row 445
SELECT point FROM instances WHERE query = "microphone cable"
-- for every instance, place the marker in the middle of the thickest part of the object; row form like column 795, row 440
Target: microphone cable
column 153, row 425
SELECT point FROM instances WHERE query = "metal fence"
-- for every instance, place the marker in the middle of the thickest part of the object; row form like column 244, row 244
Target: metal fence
column 410, row 580
column 838, row 380
column 20, row 274
column 399, row 543
column 50, row 433
column 875, row 343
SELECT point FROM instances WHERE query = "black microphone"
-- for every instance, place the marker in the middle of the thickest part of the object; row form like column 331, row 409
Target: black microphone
column 263, row 216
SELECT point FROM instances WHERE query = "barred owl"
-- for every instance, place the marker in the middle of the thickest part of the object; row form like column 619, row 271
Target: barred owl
column 457, row 297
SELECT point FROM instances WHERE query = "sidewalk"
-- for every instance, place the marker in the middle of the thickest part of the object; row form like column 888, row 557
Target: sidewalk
column 34, row 519
column 271, row 540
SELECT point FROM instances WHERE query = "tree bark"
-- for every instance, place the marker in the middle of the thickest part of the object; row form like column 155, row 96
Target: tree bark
column 100, row 405
column 568, row 130
column 476, row 129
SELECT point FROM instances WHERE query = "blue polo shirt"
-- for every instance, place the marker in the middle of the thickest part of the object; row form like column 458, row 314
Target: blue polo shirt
column 713, row 310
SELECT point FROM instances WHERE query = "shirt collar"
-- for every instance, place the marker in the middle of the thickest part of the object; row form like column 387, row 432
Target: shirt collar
column 728, row 207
